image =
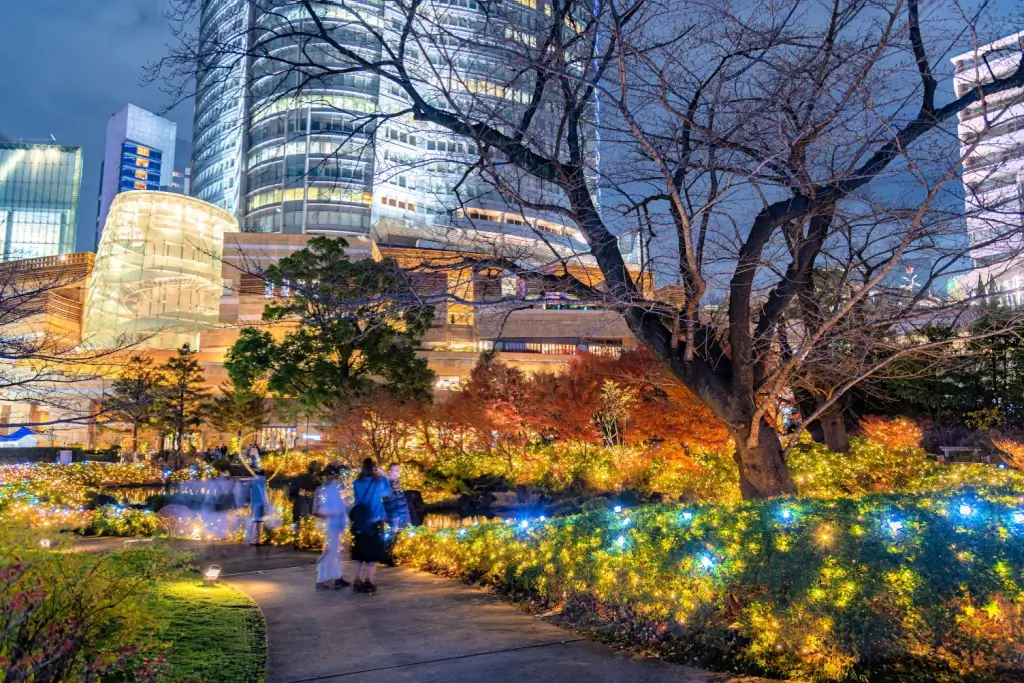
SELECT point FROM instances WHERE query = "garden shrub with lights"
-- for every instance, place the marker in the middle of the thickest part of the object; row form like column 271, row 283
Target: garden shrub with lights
column 138, row 615
column 817, row 589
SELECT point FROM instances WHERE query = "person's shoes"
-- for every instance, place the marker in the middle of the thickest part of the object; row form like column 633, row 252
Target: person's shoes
column 369, row 587
column 340, row 583
column 321, row 587
column 358, row 587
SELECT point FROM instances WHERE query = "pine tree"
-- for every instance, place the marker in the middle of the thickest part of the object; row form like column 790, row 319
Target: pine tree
column 183, row 404
column 237, row 412
column 134, row 395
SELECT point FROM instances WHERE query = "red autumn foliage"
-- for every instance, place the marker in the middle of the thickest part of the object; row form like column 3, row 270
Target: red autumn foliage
column 501, row 399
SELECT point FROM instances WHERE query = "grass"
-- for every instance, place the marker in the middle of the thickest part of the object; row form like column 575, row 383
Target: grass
column 207, row 634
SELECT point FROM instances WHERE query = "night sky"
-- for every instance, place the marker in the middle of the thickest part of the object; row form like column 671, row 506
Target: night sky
column 68, row 66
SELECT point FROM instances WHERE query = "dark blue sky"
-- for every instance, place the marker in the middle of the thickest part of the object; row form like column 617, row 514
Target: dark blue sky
column 69, row 65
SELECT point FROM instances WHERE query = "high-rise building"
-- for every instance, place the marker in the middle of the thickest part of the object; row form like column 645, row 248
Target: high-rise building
column 39, row 186
column 992, row 144
column 319, row 157
column 140, row 154
column 181, row 177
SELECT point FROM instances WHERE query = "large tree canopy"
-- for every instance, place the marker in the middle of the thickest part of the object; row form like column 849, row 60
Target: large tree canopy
column 742, row 142
column 341, row 334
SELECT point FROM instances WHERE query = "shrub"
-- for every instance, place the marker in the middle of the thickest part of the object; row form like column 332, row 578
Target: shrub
column 68, row 617
column 114, row 520
column 896, row 433
column 811, row 589
column 1013, row 453
column 868, row 467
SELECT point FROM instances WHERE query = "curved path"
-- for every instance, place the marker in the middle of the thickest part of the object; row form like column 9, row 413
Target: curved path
column 423, row 628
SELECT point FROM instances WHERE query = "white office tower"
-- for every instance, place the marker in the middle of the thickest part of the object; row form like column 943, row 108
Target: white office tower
column 992, row 144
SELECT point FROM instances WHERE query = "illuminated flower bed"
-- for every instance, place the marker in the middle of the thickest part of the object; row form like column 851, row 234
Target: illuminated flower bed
column 810, row 589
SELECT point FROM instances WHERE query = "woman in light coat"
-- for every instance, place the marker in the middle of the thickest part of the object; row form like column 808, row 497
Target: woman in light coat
column 329, row 506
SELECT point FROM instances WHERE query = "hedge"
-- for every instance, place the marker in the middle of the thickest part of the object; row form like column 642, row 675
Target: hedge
column 815, row 589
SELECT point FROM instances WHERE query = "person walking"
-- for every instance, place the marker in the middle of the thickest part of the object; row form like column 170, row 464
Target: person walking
column 395, row 504
column 329, row 506
column 367, row 517
column 397, row 508
column 259, row 504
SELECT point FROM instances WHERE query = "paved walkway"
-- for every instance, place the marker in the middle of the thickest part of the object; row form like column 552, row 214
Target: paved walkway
column 426, row 629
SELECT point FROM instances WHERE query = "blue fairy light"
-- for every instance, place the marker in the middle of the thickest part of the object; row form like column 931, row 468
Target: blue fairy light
column 543, row 518
column 1018, row 517
column 707, row 562
column 966, row 510
column 625, row 521
column 895, row 526
column 524, row 524
column 787, row 514
column 462, row 532
column 617, row 508
column 620, row 541
column 687, row 516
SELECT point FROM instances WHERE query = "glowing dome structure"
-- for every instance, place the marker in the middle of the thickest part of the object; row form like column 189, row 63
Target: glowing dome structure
column 157, row 281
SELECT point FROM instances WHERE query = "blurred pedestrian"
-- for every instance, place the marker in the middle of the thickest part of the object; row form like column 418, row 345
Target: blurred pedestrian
column 259, row 505
column 329, row 506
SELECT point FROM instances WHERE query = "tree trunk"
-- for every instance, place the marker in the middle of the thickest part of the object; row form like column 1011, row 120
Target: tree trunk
column 135, row 440
column 763, row 472
column 833, row 427
column 830, row 427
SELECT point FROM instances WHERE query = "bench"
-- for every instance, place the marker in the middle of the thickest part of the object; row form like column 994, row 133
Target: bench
column 949, row 454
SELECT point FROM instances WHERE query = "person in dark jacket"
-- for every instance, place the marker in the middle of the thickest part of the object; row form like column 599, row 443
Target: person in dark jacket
column 301, row 490
column 368, row 516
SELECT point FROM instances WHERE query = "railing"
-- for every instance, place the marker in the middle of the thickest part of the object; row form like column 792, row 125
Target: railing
column 61, row 307
column 84, row 258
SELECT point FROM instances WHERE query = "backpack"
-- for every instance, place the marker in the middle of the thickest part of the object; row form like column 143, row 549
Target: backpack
column 360, row 515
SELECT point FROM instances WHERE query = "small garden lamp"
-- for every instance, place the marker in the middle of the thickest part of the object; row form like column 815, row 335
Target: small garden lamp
column 211, row 575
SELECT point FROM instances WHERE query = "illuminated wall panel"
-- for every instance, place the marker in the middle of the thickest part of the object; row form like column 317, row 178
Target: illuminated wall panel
column 157, row 280
column 39, row 186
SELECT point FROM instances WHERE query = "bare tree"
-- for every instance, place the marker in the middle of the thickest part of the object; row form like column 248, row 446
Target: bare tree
column 783, row 164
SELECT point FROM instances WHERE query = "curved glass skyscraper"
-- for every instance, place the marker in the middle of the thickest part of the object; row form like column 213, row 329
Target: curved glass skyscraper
column 293, row 138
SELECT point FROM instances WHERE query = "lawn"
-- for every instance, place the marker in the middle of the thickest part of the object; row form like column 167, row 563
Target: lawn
column 207, row 634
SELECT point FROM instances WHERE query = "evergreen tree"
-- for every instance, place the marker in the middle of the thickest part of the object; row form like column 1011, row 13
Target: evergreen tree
column 238, row 412
column 355, row 323
column 134, row 395
column 182, row 405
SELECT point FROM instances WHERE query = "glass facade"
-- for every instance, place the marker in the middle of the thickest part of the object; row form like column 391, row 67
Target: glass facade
column 220, row 121
column 39, row 186
column 157, row 280
column 326, row 149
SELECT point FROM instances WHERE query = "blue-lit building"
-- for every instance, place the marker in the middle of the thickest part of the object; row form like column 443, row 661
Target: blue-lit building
column 140, row 154
column 39, row 186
